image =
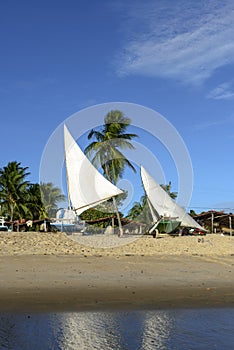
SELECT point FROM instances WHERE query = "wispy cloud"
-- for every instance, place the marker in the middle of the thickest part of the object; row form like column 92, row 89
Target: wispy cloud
column 224, row 91
column 184, row 40
column 212, row 123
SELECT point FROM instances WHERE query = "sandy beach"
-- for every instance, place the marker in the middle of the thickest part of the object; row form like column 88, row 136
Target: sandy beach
column 50, row 271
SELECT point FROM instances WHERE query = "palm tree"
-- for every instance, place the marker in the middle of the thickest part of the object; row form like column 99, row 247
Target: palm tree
column 105, row 151
column 167, row 188
column 141, row 210
column 109, row 140
column 50, row 196
column 34, row 202
column 13, row 189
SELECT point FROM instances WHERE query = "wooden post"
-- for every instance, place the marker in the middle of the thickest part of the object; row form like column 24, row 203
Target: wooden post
column 230, row 225
column 212, row 223
column 157, row 233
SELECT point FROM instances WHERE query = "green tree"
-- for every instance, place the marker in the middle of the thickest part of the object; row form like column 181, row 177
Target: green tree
column 13, row 185
column 36, row 208
column 192, row 213
column 96, row 214
column 106, row 150
column 141, row 210
column 50, row 196
column 167, row 188
column 110, row 140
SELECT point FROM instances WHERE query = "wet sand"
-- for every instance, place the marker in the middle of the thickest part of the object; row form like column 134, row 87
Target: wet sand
column 148, row 273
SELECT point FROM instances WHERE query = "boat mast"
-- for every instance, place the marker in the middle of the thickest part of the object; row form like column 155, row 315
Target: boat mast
column 67, row 177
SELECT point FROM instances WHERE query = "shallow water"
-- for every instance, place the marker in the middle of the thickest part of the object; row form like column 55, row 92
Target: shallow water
column 180, row 329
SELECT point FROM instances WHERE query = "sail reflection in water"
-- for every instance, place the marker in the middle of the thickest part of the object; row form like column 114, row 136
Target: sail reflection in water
column 84, row 330
column 133, row 330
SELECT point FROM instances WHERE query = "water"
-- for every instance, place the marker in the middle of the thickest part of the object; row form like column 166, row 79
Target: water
column 134, row 330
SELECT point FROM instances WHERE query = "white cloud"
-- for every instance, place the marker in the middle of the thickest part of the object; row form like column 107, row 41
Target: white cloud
column 224, row 91
column 184, row 40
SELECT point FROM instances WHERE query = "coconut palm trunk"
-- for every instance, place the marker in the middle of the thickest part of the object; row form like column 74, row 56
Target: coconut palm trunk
column 120, row 233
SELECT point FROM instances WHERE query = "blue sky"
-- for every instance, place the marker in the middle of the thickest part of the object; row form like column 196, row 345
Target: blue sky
column 175, row 57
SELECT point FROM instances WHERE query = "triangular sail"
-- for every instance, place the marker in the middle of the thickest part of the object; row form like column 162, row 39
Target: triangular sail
column 86, row 186
column 163, row 203
column 152, row 212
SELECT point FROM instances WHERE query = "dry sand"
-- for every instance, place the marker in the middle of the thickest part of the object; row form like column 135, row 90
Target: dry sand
column 47, row 271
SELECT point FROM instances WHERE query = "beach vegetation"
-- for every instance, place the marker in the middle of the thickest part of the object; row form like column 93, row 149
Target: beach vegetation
column 141, row 210
column 50, row 196
column 36, row 208
column 192, row 213
column 167, row 188
column 20, row 199
column 96, row 217
column 13, row 188
column 103, row 211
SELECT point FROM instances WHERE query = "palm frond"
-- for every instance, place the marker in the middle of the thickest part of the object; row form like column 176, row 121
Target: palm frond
column 110, row 139
column 121, row 143
column 97, row 134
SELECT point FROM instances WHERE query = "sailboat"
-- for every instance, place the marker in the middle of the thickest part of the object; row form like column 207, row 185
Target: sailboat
column 86, row 187
column 167, row 214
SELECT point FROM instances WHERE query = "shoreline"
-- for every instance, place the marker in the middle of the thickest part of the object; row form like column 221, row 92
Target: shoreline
column 35, row 283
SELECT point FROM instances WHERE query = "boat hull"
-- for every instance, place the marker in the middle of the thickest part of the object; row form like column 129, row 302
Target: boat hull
column 67, row 228
column 165, row 226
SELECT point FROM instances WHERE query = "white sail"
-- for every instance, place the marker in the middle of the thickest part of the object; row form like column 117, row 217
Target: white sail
column 86, row 186
column 152, row 212
column 164, row 204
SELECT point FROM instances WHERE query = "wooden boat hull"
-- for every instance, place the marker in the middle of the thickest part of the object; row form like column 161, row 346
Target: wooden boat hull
column 164, row 226
column 167, row 226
